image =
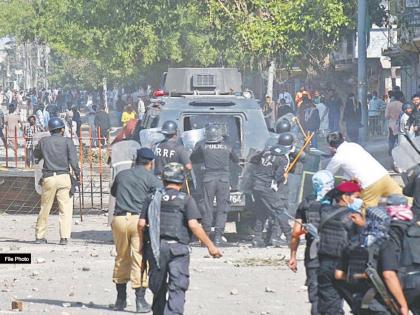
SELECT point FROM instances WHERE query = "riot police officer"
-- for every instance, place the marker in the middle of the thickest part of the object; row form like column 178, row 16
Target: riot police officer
column 216, row 156
column 131, row 189
column 282, row 126
column 269, row 190
column 59, row 154
column 334, row 231
column 308, row 212
column 173, row 218
column 170, row 150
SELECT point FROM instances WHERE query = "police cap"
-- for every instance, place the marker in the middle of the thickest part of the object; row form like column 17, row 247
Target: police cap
column 145, row 154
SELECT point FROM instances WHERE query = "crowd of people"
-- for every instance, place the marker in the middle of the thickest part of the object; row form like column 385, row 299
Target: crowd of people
column 327, row 111
column 25, row 113
column 154, row 213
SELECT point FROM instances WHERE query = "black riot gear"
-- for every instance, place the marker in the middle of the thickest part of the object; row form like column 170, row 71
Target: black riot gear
column 173, row 173
column 169, row 128
column 172, row 226
column 213, row 134
column 333, row 232
column 283, row 126
column 286, row 139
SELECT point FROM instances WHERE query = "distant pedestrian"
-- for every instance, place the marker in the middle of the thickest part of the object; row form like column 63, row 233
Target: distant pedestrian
column 318, row 100
column 128, row 114
column 102, row 123
column 3, row 138
column 30, row 130
column 352, row 118
column 13, row 127
column 406, row 123
column 91, row 122
column 416, row 103
column 268, row 109
column 392, row 114
column 334, row 105
column 77, row 119
column 309, row 117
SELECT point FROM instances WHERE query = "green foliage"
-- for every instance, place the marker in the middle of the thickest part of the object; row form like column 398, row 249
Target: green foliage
column 299, row 32
column 121, row 39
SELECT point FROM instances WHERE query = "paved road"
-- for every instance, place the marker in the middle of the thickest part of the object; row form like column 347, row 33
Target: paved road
column 231, row 285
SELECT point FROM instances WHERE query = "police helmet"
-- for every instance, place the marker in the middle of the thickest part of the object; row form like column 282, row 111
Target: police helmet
column 169, row 128
column 286, row 139
column 283, row 126
column 213, row 134
column 173, row 173
column 55, row 123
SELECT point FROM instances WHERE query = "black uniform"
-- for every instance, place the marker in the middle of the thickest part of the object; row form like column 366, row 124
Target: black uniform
column 168, row 151
column 269, row 169
column 309, row 212
column 58, row 153
column 216, row 158
column 172, row 273
column 401, row 253
column 333, row 231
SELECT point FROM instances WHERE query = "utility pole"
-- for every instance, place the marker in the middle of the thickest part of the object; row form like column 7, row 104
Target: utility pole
column 361, row 67
column 270, row 83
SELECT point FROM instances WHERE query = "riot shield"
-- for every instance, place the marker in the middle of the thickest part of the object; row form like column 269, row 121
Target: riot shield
column 191, row 137
column 407, row 154
column 38, row 166
column 150, row 137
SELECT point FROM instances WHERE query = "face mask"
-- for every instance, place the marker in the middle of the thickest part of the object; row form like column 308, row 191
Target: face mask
column 317, row 100
column 356, row 205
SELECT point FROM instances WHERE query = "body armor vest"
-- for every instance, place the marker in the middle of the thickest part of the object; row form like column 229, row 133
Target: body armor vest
column 333, row 234
column 312, row 213
column 172, row 219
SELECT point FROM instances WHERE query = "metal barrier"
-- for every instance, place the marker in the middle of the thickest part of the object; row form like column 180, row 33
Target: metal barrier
column 377, row 123
column 93, row 151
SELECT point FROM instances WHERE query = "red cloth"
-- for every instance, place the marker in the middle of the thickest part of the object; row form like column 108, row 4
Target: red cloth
column 127, row 131
column 348, row 187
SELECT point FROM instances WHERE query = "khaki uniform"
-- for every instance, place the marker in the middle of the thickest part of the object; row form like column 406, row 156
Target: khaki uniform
column 127, row 243
column 56, row 185
column 384, row 187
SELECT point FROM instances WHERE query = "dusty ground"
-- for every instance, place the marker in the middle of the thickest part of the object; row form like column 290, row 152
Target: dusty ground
column 76, row 279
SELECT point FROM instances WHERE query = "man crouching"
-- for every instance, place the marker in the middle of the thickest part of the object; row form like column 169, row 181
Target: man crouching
column 172, row 217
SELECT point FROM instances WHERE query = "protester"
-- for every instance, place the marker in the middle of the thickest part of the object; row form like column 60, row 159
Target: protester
column 416, row 103
column 352, row 117
column 299, row 96
column 13, row 128
column 358, row 164
column 309, row 117
column 334, row 105
column 128, row 114
column 77, row 119
column 406, row 123
column 323, row 113
column 268, row 109
column 29, row 139
column 392, row 114
column 103, row 123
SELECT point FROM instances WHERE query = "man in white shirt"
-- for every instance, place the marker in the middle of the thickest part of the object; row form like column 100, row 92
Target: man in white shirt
column 358, row 164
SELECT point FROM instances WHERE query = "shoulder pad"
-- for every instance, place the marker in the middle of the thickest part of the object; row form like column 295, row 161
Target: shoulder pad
column 182, row 195
column 279, row 150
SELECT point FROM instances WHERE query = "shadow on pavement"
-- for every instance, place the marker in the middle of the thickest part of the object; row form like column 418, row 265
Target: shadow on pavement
column 95, row 237
column 72, row 304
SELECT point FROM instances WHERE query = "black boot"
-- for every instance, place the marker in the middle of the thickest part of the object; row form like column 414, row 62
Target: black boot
column 218, row 238
column 141, row 304
column 258, row 240
column 121, row 302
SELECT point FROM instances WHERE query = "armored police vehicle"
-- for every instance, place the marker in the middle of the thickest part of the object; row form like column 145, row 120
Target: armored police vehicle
column 195, row 97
